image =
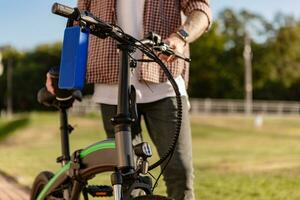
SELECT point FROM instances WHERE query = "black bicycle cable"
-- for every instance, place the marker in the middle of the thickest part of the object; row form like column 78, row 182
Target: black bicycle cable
column 150, row 54
column 169, row 154
column 153, row 56
column 161, row 172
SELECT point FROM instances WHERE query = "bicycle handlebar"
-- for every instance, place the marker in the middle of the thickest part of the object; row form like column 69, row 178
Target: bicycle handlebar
column 76, row 14
column 102, row 30
column 65, row 11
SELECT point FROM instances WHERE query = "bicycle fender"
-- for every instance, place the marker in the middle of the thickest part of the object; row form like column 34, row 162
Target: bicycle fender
column 97, row 158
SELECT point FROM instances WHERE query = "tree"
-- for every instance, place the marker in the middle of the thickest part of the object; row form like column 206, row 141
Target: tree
column 30, row 68
column 217, row 69
column 29, row 73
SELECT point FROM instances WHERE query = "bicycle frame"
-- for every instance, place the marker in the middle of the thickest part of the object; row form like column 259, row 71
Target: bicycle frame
column 116, row 155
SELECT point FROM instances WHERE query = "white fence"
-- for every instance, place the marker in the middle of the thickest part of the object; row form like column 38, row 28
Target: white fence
column 84, row 107
column 229, row 106
column 214, row 106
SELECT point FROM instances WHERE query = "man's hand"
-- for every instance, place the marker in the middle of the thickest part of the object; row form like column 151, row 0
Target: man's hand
column 49, row 85
column 176, row 43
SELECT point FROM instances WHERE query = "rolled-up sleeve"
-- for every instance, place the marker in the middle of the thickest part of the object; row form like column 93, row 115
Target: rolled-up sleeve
column 188, row 6
column 84, row 4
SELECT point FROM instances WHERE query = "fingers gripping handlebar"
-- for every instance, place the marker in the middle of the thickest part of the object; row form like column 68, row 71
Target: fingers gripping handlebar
column 155, row 42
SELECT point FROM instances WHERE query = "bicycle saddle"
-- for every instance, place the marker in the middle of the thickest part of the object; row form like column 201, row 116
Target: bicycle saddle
column 46, row 98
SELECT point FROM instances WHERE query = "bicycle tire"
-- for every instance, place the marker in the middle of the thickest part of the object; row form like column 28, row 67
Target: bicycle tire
column 152, row 197
column 40, row 182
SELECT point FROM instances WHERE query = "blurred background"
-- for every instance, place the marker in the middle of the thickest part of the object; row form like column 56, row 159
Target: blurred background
column 244, row 89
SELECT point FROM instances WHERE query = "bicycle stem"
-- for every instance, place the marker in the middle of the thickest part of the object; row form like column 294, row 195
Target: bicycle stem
column 122, row 121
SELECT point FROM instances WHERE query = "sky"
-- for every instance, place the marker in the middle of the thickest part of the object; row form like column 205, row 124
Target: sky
column 27, row 23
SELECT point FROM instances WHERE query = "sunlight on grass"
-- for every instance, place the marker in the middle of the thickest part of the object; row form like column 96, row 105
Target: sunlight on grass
column 232, row 158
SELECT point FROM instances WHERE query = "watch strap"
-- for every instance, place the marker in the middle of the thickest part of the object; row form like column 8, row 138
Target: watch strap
column 182, row 34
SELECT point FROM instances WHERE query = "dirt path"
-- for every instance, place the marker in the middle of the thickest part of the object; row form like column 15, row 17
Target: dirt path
column 11, row 190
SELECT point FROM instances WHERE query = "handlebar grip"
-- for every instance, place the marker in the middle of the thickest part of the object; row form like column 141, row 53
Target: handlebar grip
column 64, row 11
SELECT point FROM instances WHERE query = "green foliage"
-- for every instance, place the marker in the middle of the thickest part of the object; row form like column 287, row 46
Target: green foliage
column 29, row 72
column 286, row 47
column 217, row 69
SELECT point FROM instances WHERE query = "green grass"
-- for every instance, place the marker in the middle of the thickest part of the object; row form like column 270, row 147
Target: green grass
column 233, row 160
column 8, row 127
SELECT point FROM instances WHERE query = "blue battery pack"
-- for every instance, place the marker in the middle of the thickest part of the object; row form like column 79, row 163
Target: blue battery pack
column 74, row 58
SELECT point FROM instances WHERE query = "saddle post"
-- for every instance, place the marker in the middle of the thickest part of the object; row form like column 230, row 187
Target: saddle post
column 64, row 134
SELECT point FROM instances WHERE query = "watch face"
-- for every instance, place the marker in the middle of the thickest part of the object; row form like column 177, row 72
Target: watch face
column 183, row 33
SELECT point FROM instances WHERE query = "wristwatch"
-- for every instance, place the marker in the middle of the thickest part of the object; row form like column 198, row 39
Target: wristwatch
column 183, row 34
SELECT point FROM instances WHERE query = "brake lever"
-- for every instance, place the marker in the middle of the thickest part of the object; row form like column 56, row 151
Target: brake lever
column 168, row 51
column 162, row 48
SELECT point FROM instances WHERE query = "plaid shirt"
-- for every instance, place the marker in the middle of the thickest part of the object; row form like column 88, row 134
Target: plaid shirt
column 160, row 16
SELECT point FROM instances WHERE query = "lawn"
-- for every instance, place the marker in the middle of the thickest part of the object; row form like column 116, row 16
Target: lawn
column 233, row 160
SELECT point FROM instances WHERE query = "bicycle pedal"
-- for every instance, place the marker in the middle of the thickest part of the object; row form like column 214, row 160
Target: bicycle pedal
column 99, row 190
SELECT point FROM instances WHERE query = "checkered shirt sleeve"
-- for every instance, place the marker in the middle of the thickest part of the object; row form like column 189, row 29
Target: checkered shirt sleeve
column 160, row 16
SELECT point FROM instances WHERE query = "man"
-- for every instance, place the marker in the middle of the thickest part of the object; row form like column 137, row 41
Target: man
column 155, row 95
